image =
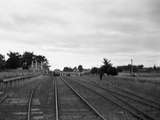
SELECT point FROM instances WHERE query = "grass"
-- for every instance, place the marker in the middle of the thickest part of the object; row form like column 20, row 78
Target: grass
column 145, row 86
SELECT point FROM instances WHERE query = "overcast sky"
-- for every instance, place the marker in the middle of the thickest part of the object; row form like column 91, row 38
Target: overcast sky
column 73, row 32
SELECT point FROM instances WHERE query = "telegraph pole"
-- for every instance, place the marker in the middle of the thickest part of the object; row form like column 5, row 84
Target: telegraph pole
column 36, row 66
column 131, row 66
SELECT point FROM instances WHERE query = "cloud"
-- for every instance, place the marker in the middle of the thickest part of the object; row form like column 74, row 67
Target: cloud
column 154, row 11
column 93, row 29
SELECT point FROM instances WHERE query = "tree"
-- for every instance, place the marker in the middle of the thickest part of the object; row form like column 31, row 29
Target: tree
column 80, row 68
column 94, row 70
column 106, row 66
column 67, row 69
column 17, row 60
column 41, row 59
column 27, row 59
column 75, row 69
column 2, row 62
column 112, row 71
column 14, row 61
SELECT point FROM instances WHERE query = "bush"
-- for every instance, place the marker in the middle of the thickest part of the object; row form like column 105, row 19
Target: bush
column 2, row 62
column 94, row 70
column 108, row 68
column 112, row 71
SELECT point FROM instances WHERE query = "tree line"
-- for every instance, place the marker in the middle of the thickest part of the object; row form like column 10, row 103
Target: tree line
column 106, row 68
column 16, row 60
column 75, row 69
column 128, row 68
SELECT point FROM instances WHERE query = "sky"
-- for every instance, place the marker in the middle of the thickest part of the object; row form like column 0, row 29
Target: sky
column 73, row 32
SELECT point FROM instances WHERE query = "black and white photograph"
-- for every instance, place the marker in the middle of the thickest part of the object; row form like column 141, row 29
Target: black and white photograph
column 79, row 60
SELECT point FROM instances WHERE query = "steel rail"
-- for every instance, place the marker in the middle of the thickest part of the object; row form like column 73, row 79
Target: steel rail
column 148, row 101
column 3, row 98
column 29, row 105
column 136, row 114
column 84, row 100
column 124, row 92
column 30, row 102
column 56, row 99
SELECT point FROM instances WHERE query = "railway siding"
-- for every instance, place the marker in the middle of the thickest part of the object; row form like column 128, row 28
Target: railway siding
column 42, row 106
column 63, row 98
column 124, row 92
column 71, row 107
column 107, row 108
column 15, row 105
column 141, row 109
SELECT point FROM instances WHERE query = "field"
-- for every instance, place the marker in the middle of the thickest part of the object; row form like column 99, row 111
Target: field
column 85, row 97
column 144, row 84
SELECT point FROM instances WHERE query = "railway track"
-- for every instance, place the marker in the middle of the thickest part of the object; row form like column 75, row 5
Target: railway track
column 68, row 101
column 141, row 99
column 71, row 105
column 2, row 99
column 138, row 109
column 37, row 109
column 30, row 104
column 16, row 107
column 138, row 97
column 127, row 94
column 56, row 100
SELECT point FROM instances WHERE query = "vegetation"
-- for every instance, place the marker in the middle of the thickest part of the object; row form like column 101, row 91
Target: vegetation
column 80, row 68
column 2, row 62
column 75, row 69
column 29, row 57
column 105, row 68
column 108, row 68
column 136, row 68
column 94, row 70
column 67, row 69
column 16, row 60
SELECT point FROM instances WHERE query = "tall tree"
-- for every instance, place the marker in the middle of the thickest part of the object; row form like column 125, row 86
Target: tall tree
column 94, row 70
column 27, row 59
column 2, row 62
column 107, row 63
column 80, row 68
column 14, row 60
column 67, row 69
column 41, row 58
column 106, row 66
column 75, row 69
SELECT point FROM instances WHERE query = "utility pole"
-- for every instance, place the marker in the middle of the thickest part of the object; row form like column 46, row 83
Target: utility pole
column 41, row 66
column 33, row 64
column 36, row 66
column 131, row 66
